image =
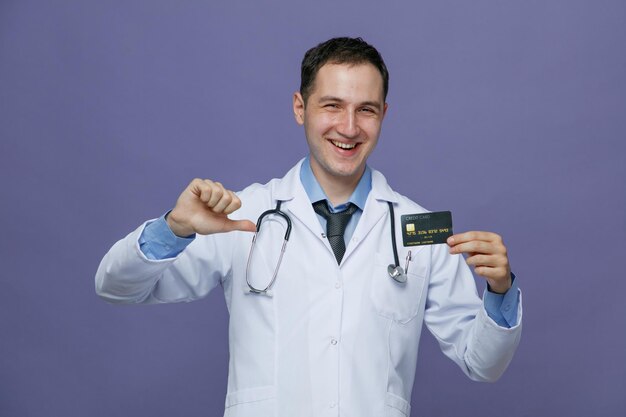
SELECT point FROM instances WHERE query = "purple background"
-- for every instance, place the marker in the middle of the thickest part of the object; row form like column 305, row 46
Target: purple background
column 512, row 114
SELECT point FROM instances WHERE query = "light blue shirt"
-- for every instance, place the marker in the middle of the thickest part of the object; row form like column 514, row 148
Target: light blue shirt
column 159, row 242
column 358, row 198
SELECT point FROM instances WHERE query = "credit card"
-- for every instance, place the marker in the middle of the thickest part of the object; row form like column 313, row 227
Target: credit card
column 426, row 228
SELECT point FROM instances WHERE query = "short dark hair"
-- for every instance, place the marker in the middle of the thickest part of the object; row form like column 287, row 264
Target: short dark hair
column 340, row 51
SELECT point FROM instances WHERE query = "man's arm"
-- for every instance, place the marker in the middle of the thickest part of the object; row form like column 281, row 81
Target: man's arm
column 456, row 316
column 127, row 275
column 488, row 255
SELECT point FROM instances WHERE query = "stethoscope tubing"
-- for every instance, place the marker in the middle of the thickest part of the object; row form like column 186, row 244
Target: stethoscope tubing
column 393, row 234
column 395, row 271
column 282, row 214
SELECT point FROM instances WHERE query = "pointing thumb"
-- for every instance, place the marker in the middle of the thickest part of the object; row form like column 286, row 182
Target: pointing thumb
column 241, row 225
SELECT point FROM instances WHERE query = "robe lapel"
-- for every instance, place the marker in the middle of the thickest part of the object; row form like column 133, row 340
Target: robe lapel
column 296, row 202
column 376, row 210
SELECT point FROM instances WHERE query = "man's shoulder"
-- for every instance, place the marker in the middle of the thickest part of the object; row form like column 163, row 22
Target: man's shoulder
column 383, row 190
column 408, row 204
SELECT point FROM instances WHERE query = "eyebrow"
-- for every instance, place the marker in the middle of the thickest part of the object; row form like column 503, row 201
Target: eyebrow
column 365, row 103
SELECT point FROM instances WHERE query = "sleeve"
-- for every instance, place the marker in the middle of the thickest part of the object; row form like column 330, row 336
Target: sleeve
column 127, row 275
column 502, row 308
column 457, row 318
column 159, row 242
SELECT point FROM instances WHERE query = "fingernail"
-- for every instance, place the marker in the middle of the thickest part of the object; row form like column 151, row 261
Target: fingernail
column 450, row 240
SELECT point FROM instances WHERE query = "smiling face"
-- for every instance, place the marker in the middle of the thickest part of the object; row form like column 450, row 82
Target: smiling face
column 342, row 119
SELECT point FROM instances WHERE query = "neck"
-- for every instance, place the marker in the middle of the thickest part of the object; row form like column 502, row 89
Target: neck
column 338, row 189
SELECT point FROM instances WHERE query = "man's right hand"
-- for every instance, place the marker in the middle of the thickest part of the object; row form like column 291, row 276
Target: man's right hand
column 203, row 208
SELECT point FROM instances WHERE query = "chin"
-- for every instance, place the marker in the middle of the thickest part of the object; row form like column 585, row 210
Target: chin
column 345, row 172
column 339, row 169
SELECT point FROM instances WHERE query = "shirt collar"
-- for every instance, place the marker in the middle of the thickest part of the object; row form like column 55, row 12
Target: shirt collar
column 315, row 192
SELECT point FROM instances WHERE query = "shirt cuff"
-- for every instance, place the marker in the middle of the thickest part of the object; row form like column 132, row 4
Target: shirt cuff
column 157, row 241
column 502, row 308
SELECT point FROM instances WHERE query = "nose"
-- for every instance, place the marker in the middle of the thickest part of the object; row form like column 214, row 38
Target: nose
column 348, row 126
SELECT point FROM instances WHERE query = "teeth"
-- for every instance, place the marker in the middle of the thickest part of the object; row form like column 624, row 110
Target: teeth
column 344, row 145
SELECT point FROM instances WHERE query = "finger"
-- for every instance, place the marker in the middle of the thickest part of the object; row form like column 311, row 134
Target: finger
column 223, row 202
column 241, row 225
column 235, row 204
column 217, row 191
column 474, row 246
column 204, row 190
column 486, row 260
column 499, row 279
column 195, row 186
column 495, row 274
column 473, row 235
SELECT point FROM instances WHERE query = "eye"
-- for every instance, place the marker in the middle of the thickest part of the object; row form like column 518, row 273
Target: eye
column 367, row 110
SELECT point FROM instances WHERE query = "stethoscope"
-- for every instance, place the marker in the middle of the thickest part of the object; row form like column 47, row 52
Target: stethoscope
column 282, row 214
column 395, row 271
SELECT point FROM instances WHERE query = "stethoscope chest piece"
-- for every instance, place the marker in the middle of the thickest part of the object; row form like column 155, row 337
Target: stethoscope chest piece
column 397, row 273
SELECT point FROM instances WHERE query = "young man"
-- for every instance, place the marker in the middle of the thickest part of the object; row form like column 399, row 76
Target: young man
column 324, row 329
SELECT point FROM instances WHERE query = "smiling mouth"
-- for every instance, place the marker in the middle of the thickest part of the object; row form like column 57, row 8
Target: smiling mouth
column 342, row 145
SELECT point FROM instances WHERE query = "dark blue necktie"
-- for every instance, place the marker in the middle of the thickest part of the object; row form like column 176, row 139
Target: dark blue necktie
column 335, row 226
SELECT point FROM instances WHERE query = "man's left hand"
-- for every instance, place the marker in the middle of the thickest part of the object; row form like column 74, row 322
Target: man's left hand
column 487, row 254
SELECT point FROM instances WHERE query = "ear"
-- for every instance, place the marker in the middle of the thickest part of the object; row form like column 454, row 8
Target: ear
column 384, row 110
column 298, row 107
